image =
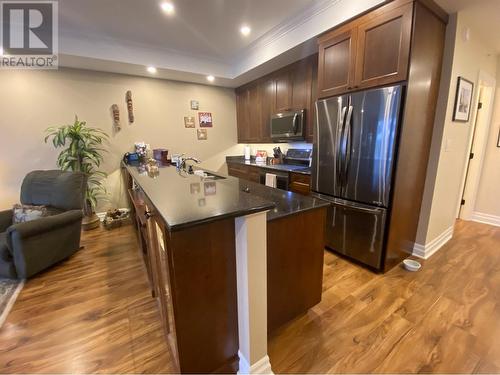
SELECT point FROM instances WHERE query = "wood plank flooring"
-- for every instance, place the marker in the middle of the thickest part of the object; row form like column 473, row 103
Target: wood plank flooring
column 93, row 313
column 443, row 319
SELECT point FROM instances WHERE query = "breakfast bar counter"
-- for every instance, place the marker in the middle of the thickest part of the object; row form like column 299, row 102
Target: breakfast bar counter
column 228, row 262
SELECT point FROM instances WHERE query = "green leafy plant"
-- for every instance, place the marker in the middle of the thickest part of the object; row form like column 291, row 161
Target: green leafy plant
column 83, row 152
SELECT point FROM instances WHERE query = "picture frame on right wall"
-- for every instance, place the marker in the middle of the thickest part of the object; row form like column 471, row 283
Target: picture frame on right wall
column 498, row 139
column 463, row 100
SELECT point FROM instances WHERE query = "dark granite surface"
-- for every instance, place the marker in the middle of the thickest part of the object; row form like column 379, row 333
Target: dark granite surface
column 185, row 200
column 278, row 167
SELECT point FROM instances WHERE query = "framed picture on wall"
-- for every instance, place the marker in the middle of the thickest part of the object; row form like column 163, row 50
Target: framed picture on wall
column 463, row 100
column 498, row 140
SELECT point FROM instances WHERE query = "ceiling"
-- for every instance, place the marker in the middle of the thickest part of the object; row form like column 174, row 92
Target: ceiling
column 201, row 28
column 201, row 38
column 482, row 17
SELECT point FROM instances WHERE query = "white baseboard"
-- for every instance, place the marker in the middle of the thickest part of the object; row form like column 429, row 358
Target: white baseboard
column 426, row 251
column 486, row 218
column 262, row 366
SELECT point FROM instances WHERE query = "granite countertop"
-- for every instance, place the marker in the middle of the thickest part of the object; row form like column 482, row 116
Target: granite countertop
column 184, row 200
column 277, row 167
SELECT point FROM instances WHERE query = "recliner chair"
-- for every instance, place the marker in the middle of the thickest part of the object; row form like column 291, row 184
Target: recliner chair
column 30, row 247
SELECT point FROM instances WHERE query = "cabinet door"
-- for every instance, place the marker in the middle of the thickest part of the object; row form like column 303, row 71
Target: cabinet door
column 254, row 115
column 301, row 78
column 337, row 52
column 268, row 95
column 283, row 100
column 248, row 112
column 384, row 47
column 242, row 115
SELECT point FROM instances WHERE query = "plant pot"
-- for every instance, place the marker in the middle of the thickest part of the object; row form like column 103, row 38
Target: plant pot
column 90, row 222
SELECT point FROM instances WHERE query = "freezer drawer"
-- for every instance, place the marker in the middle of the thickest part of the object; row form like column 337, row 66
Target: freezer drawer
column 357, row 231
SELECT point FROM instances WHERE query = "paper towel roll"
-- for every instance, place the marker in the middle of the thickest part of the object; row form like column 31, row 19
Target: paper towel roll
column 247, row 152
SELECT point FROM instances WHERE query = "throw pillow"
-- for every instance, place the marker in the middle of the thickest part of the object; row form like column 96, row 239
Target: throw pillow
column 24, row 213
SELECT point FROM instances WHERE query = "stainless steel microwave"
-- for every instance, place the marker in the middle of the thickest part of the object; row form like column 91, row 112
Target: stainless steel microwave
column 288, row 126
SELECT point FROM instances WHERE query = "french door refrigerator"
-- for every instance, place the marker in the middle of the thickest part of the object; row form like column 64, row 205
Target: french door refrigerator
column 353, row 157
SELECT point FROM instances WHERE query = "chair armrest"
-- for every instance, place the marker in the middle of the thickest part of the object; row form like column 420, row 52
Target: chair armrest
column 45, row 224
column 5, row 220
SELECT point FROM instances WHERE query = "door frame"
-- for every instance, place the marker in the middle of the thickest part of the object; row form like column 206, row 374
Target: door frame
column 470, row 182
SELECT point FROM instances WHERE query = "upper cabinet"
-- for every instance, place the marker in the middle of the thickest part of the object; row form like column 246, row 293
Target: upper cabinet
column 337, row 57
column 248, row 113
column 290, row 88
column 370, row 51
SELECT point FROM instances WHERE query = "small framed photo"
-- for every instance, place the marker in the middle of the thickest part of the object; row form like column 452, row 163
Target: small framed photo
column 195, row 188
column 189, row 122
column 210, row 188
column 463, row 100
column 195, row 105
column 205, row 119
column 202, row 134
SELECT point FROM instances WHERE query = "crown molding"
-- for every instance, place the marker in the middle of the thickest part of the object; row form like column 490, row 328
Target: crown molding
column 290, row 24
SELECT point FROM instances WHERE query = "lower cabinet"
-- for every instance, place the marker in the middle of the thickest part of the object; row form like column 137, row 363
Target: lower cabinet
column 300, row 183
column 247, row 172
column 158, row 259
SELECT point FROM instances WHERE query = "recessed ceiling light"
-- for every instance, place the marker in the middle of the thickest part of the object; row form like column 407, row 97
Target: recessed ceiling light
column 167, row 7
column 210, row 78
column 151, row 69
column 245, row 30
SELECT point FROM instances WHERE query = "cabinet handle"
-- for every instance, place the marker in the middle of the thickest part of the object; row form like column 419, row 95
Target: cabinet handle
column 349, row 87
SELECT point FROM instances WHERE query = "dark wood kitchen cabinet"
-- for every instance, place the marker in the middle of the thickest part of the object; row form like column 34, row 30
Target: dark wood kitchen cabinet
column 248, row 112
column 383, row 47
column 300, row 183
column 284, row 90
column 290, row 88
column 370, row 51
column 337, row 59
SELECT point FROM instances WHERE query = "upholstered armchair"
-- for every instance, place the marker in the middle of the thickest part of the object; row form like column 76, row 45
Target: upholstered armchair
column 30, row 247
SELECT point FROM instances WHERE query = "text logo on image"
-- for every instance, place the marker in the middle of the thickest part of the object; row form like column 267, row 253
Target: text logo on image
column 29, row 35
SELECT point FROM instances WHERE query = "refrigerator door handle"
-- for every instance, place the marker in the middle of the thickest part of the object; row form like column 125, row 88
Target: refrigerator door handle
column 348, row 143
column 338, row 158
column 343, row 147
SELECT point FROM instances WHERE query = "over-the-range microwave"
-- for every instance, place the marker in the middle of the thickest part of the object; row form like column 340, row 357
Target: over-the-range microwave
column 288, row 126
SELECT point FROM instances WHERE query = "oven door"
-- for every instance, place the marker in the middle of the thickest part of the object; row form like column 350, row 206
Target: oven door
column 287, row 126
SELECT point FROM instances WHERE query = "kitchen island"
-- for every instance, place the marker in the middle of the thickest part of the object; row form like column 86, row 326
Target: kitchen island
column 228, row 260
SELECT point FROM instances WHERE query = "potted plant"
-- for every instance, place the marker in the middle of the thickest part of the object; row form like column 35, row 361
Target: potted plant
column 82, row 152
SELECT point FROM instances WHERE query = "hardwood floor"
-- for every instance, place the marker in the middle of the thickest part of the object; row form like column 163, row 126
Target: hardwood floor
column 442, row 319
column 93, row 313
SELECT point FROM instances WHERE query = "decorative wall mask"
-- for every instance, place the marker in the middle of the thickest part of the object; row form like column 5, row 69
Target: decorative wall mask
column 116, row 116
column 130, row 107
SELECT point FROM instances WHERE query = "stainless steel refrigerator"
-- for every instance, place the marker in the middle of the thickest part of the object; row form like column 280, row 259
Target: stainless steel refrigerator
column 353, row 158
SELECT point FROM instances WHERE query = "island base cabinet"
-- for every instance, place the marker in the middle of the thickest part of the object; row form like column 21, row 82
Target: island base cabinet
column 295, row 250
column 202, row 273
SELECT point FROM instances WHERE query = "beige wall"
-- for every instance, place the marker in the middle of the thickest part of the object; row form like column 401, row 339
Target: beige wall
column 488, row 197
column 451, row 140
column 31, row 101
